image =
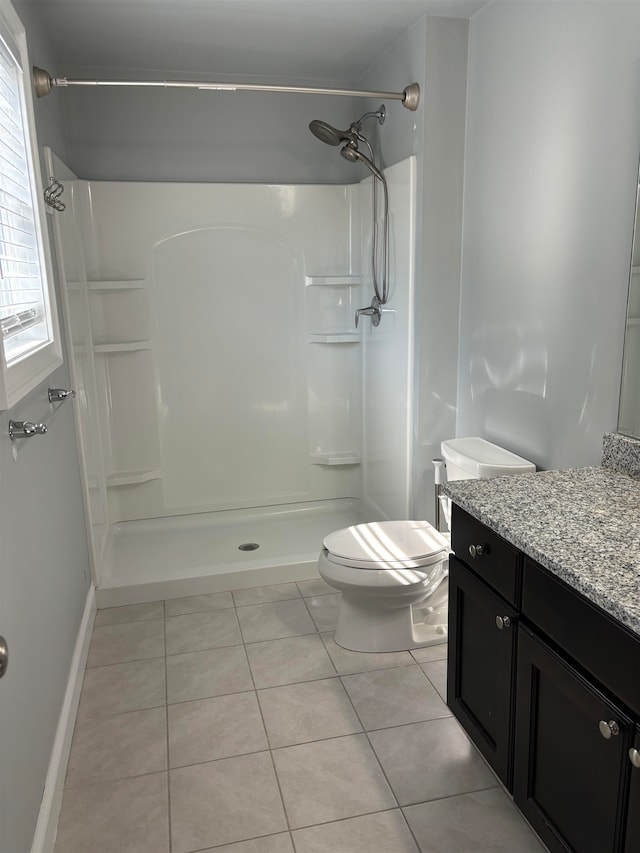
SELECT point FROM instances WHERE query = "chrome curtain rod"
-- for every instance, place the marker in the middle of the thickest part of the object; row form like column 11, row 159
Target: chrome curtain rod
column 43, row 83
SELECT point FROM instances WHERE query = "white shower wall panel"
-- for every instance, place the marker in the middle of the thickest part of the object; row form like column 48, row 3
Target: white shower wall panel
column 388, row 355
column 205, row 363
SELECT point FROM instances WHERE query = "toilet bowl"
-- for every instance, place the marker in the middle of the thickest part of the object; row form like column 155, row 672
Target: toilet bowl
column 393, row 574
column 382, row 570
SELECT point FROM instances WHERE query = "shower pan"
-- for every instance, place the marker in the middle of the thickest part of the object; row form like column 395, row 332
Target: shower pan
column 205, row 427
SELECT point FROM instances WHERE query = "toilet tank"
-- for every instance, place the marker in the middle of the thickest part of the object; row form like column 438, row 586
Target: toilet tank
column 472, row 458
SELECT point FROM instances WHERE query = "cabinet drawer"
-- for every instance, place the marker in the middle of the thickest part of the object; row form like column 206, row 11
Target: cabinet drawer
column 602, row 646
column 497, row 562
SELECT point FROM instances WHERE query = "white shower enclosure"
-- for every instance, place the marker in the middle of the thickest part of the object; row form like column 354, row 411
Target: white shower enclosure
column 225, row 396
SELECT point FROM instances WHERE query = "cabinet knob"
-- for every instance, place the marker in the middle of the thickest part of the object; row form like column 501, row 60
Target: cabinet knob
column 634, row 757
column 609, row 729
column 476, row 550
column 503, row 622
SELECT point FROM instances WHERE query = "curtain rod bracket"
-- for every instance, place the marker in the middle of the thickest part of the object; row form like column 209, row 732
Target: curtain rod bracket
column 43, row 83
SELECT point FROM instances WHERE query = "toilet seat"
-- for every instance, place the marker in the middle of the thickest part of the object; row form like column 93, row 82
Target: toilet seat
column 384, row 545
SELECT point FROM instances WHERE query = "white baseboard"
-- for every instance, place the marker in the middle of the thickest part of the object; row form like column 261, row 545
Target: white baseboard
column 45, row 834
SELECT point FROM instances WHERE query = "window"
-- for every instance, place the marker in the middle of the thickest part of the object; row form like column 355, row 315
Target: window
column 28, row 326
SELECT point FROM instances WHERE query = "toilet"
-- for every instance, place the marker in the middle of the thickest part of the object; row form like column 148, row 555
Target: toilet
column 393, row 574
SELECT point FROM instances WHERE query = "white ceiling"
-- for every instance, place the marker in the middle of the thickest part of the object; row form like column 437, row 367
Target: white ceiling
column 328, row 40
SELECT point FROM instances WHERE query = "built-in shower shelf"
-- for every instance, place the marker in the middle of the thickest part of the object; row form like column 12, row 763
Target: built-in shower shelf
column 126, row 346
column 333, row 280
column 341, row 457
column 335, row 338
column 117, row 284
column 131, row 478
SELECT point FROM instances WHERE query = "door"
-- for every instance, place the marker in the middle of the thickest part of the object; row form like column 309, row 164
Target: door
column 571, row 766
column 482, row 643
column 632, row 839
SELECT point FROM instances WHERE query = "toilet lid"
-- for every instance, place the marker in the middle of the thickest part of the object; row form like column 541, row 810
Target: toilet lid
column 387, row 545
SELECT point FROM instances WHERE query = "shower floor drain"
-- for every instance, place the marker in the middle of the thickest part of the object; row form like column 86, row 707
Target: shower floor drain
column 248, row 546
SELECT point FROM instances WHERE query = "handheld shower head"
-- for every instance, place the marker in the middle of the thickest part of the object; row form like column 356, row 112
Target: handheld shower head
column 326, row 133
column 351, row 153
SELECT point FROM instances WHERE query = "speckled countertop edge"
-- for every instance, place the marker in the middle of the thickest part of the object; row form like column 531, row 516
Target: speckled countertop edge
column 583, row 524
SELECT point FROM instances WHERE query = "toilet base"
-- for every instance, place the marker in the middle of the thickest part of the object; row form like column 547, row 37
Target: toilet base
column 382, row 629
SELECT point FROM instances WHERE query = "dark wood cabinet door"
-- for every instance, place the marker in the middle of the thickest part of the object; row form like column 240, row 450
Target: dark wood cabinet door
column 571, row 754
column 481, row 666
column 632, row 840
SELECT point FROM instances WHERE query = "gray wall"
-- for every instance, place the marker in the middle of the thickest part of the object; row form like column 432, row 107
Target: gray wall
column 553, row 134
column 44, row 575
column 177, row 135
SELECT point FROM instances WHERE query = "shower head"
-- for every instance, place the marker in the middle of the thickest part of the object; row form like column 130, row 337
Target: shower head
column 351, row 153
column 325, row 133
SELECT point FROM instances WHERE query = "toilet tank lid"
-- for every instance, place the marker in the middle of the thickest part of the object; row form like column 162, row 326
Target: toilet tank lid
column 386, row 541
column 481, row 458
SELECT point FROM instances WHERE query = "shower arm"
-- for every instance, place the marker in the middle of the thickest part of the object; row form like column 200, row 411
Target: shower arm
column 43, row 83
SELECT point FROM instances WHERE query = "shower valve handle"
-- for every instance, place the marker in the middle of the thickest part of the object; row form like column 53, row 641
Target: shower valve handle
column 372, row 311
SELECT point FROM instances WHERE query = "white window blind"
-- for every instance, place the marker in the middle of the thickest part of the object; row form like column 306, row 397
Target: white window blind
column 24, row 325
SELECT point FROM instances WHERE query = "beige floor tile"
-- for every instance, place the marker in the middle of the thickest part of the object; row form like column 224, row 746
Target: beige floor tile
column 122, row 687
column 324, row 610
column 427, row 761
column 194, row 632
column 429, row 653
column 126, row 641
column 275, row 620
column 392, row 697
column 130, row 613
column 118, row 746
column 127, row 816
column 280, row 843
column 299, row 713
column 224, row 801
column 469, row 823
column 315, row 586
column 264, row 594
column 436, row 672
column 198, row 603
column 346, row 661
column 287, row 661
column 215, row 728
column 214, row 672
column 331, row 779
column 384, row 832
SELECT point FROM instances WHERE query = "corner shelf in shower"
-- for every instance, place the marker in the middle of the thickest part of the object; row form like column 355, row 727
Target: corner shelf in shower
column 132, row 478
column 123, row 346
column 342, row 457
column 335, row 338
column 333, row 280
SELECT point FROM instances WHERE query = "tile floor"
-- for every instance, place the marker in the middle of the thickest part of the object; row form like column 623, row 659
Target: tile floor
column 233, row 722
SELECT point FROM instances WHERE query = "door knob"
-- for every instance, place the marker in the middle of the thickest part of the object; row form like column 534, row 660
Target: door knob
column 503, row 622
column 608, row 729
column 4, row 656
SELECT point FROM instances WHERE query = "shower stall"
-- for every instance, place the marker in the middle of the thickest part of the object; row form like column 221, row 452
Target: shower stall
column 230, row 413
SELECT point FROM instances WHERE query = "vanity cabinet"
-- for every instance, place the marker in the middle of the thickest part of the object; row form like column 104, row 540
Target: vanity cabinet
column 545, row 684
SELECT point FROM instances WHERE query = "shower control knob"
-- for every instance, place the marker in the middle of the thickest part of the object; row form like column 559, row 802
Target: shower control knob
column 608, row 729
column 503, row 622
column 476, row 551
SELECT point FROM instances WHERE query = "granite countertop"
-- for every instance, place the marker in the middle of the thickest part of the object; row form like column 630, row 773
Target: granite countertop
column 583, row 524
